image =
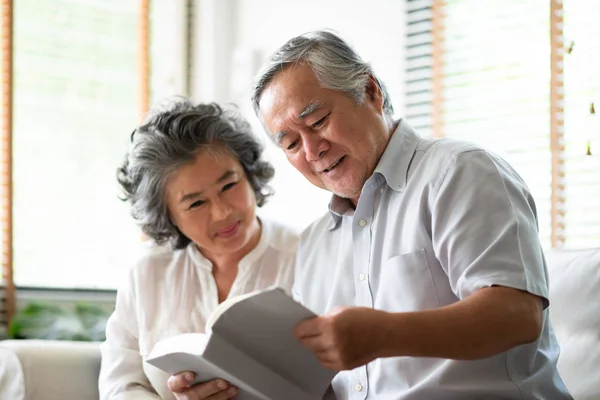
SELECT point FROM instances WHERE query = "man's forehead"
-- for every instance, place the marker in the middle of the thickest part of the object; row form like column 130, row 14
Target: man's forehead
column 292, row 95
column 280, row 121
column 296, row 85
column 276, row 105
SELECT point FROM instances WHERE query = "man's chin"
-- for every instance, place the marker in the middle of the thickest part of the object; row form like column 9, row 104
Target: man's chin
column 344, row 192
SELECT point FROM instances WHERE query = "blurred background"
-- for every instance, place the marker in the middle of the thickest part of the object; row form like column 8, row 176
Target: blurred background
column 520, row 77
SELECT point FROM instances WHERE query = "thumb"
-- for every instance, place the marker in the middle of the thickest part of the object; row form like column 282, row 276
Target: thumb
column 180, row 382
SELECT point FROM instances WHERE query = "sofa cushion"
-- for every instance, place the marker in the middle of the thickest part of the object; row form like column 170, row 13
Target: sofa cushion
column 54, row 370
column 575, row 316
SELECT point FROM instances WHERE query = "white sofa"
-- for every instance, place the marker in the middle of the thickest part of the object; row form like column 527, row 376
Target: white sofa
column 575, row 316
column 47, row 370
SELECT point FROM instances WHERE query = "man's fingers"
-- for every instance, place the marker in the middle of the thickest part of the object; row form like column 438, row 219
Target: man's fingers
column 314, row 343
column 328, row 360
column 307, row 328
column 180, row 382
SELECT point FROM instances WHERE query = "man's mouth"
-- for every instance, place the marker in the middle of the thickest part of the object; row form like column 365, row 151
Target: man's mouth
column 335, row 164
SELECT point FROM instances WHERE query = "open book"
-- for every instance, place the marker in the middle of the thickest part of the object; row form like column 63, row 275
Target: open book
column 249, row 343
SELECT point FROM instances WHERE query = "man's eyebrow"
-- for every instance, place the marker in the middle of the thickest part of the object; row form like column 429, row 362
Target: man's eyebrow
column 310, row 108
column 279, row 136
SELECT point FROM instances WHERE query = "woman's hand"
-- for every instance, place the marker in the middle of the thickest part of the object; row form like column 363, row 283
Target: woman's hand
column 217, row 389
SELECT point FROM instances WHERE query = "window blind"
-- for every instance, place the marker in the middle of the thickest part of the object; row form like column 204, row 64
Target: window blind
column 419, row 65
column 582, row 128
column 496, row 86
column 76, row 98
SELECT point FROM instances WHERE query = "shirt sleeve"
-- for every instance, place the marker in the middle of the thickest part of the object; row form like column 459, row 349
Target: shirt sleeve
column 484, row 227
column 121, row 374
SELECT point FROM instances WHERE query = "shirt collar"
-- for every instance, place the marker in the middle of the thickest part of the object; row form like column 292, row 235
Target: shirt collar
column 398, row 154
column 393, row 166
column 338, row 206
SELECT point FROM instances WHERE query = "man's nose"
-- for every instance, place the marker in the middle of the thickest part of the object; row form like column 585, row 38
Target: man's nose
column 315, row 148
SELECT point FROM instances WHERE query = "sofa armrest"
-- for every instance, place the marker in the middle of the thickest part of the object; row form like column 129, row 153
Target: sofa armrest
column 575, row 317
column 53, row 370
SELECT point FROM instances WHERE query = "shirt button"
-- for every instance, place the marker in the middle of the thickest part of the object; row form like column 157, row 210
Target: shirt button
column 358, row 387
column 361, row 277
column 362, row 222
column 381, row 190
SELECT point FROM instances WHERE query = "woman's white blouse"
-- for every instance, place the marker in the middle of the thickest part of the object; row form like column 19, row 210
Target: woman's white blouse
column 171, row 292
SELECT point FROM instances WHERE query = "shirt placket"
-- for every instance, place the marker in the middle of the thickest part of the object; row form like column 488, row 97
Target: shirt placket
column 361, row 240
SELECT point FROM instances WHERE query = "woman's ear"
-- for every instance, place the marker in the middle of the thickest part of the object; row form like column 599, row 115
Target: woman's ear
column 374, row 93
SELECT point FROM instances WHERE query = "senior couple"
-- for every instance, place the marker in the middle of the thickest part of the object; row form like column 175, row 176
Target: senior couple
column 426, row 270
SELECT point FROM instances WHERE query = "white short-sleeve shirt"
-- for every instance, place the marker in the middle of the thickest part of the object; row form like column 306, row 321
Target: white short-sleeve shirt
column 172, row 292
column 437, row 221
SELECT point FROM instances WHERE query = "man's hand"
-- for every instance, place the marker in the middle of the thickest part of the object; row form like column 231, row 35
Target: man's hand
column 216, row 389
column 490, row 321
column 345, row 338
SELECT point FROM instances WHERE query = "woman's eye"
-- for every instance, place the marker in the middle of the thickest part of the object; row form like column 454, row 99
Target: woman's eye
column 229, row 186
column 197, row 203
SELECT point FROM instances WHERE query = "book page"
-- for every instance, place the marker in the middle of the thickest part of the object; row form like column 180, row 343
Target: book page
column 261, row 326
column 188, row 352
column 190, row 343
column 224, row 306
column 247, row 373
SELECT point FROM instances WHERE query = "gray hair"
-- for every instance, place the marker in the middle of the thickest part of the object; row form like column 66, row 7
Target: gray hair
column 172, row 136
column 334, row 62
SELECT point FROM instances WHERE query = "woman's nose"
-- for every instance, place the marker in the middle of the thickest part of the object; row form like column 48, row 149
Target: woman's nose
column 220, row 210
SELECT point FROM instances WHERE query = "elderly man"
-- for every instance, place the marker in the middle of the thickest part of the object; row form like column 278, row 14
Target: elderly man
column 427, row 270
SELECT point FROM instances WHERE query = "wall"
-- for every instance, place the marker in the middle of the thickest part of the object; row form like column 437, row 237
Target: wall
column 232, row 38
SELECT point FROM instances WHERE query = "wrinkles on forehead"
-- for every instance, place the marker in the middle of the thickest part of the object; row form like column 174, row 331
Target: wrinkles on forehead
column 292, row 96
column 297, row 118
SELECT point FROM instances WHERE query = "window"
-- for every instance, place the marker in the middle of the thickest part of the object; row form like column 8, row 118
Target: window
column 7, row 288
column 76, row 96
column 483, row 72
column 296, row 201
column 581, row 127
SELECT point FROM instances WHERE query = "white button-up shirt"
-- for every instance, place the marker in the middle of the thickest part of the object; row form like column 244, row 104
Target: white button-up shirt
column 173, row 292
column 437, row 221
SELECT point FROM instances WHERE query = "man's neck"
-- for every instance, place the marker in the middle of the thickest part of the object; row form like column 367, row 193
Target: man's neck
column 392, row 125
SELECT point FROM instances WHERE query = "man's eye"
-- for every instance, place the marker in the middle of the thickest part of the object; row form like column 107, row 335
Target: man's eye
column 229, row 186
column 292, row 145
column 320, row 122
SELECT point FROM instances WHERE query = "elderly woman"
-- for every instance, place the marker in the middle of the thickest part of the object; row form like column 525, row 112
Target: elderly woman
column 194, row 177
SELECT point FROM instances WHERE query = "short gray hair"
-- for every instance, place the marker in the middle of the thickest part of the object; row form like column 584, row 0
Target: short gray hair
column 334, row 62
column 172, row 136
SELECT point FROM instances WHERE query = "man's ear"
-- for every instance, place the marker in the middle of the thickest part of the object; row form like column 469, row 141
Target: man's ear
column 374, row 93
